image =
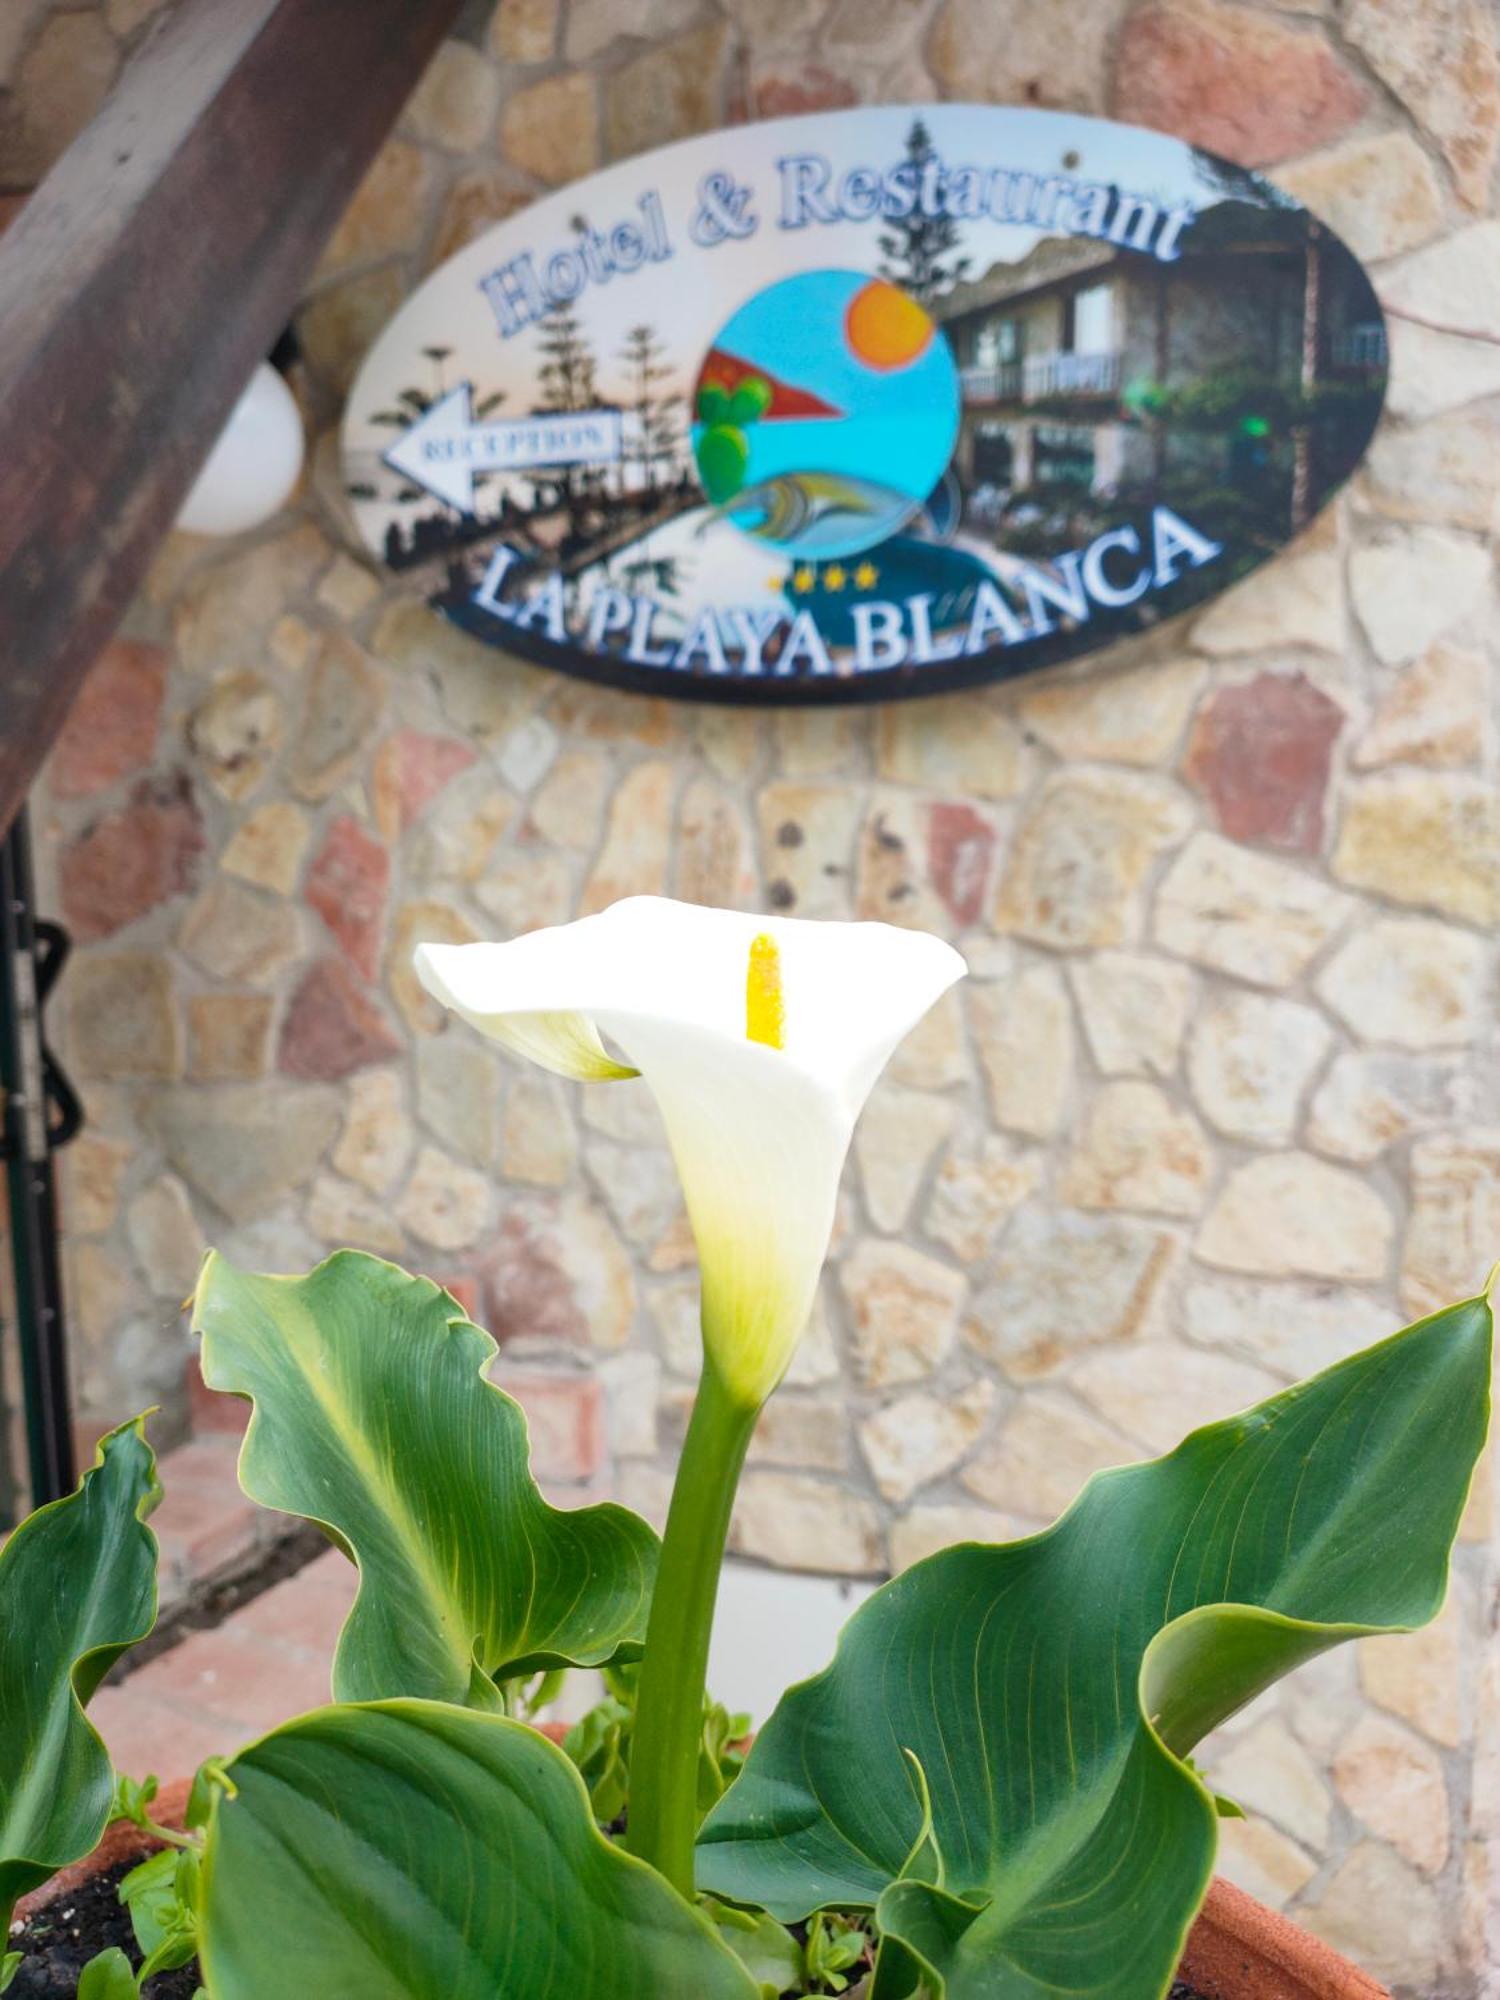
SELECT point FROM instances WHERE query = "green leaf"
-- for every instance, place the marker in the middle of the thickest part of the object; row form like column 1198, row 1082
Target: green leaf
column 597, row 1746
column 408, row 1850
column 834, row 1948
column 529, row 1694
column 208, row 1779
column 600, row 1744
column 181, row 1948
column 77, row 1587
column 162, row 1898
column 10, row 1965
column 1049, row 1690
column 134, row 1798
column 372, row 1418
column 766, row 1949
column 107, row 1977
column 149, row 1893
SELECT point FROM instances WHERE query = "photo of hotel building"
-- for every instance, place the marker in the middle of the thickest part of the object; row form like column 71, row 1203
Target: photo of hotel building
column 1092, row 372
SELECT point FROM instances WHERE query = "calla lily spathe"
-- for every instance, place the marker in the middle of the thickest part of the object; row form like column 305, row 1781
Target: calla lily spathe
column 759, row 1132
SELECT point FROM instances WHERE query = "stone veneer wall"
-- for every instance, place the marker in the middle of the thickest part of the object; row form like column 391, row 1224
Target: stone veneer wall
column 1221, row 1099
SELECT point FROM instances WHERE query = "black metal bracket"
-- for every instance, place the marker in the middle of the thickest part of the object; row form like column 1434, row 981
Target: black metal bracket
column 41, row 1111
column 63, row 1106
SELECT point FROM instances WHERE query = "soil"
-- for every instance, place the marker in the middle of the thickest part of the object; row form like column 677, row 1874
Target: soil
column 59, row 1941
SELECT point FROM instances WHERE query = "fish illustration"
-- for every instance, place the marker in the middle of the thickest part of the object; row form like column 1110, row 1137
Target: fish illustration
column 812, row 510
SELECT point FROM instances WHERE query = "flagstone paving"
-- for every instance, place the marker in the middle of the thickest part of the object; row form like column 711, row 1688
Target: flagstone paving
column 269, row 1657
column 215, row 1689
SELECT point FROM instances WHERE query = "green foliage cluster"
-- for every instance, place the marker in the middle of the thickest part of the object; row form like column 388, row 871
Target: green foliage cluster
column 988, row 1795
column 723, row 450
column 600, row 1744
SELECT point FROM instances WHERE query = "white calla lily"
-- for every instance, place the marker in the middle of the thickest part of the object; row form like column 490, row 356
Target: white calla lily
column 759, row 1127
column 760, row 1038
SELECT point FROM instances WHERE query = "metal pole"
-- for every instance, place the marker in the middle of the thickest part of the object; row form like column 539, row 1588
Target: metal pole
column 31, row 1087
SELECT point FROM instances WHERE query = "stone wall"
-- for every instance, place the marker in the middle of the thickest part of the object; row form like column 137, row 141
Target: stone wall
column 1222, row 1098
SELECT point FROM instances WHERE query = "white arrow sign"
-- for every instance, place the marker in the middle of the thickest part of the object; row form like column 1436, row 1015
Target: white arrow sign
column 445, row 448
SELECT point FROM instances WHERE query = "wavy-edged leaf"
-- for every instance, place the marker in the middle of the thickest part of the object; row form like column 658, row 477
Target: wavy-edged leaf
column 77, row 1588
column 409, row 1850
column 1050, row 1689
column 372, row 1418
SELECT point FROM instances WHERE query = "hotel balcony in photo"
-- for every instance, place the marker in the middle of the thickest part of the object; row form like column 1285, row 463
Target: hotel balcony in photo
column 1041, row 376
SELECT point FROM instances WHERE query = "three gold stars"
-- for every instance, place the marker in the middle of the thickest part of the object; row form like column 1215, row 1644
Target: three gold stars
column 806, row 578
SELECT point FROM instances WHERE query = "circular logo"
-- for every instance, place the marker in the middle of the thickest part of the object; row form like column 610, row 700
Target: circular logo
column 825, row 413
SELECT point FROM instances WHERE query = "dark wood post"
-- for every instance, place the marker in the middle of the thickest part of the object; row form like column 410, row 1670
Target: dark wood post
column 140, row 285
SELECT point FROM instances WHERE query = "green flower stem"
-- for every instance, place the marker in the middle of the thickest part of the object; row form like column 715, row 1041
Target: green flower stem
column 669, row 1709
column 170, row 1837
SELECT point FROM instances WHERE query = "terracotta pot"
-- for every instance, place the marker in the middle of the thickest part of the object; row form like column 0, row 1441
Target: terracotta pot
column 1239, row 1950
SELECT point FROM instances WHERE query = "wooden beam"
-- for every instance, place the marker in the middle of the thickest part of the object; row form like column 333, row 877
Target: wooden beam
column 144, row 279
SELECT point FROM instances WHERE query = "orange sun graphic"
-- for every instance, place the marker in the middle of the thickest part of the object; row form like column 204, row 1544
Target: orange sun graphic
column 885, row 326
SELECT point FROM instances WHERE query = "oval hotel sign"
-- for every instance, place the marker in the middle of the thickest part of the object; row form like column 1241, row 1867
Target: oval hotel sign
column 865, row 405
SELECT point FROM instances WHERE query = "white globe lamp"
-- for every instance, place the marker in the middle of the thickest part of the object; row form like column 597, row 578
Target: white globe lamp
column 253, row 467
